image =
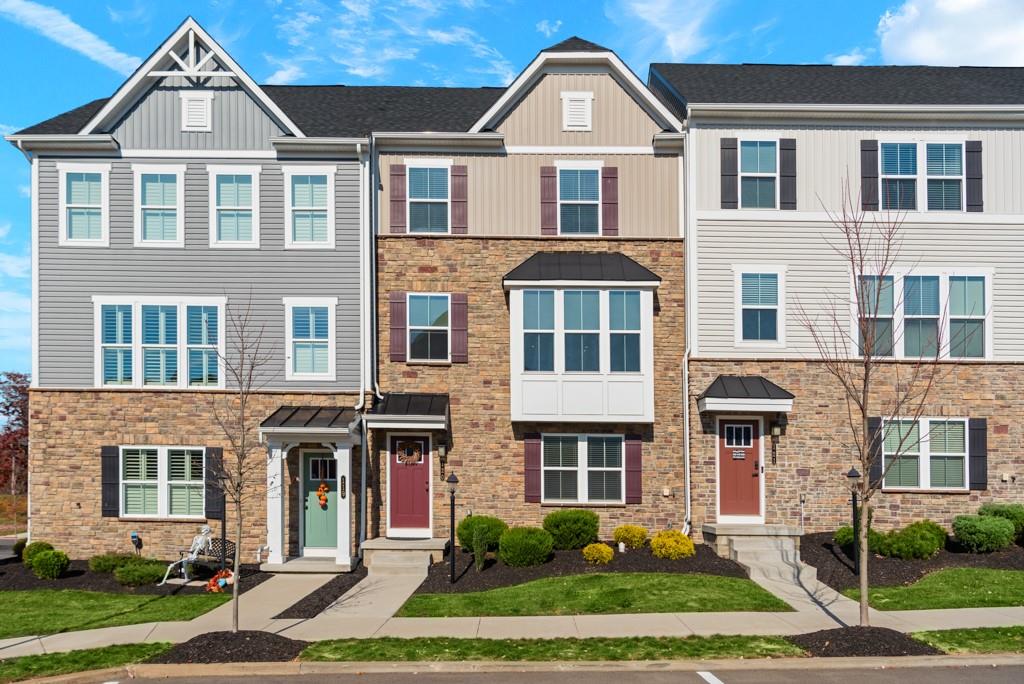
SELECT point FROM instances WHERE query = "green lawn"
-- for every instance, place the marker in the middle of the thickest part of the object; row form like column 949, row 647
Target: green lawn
column 601, row 593
column 640, row 648
column 952, row 588
column 980, row 640
column 48, row 611
column 52, row 664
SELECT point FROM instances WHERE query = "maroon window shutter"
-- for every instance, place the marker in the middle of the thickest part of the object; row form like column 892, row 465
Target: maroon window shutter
column 548, row 200
column 397, row 324
column 460, row 199
column 634, row 468
column 398, row 198
column 532, row 464
column 460, row 328
column 610, row 200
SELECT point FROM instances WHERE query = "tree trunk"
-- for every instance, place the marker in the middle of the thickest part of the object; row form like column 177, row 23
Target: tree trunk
column 236, row 568
column 862, row 542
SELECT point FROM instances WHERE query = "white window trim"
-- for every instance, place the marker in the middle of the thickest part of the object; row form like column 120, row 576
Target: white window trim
column 580, row 165
column 603, row 330
column 332, row 337
column 162, row 347
column 238, row 170
column 63, row 169
column 740, row 174
column 137, row 303
column 924, row 454
column 204, row 96
column 427, row 164
column 943, row 274
column 921, row 179
column 290, row 171
column 179, row 231
column 780, row 317
column 408, row 329
column 553, row 331
column 582, row 470
column 588, row 99
column 163, row 483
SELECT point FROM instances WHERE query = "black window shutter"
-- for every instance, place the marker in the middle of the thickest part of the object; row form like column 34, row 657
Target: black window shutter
column 869, row 175
column 110, row 481
column 972, row 166
column 787, row 174
column 875, row 450
column 977, row 450
column 730, row 190
column 214, row 491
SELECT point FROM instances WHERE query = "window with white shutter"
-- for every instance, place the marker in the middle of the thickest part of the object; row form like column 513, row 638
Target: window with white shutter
column 576, row 111
column 196, row 111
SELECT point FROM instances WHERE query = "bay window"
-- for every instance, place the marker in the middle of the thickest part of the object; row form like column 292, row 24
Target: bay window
column 539, row 330
column 582, row 330
column 624, row 312
column 583, row 469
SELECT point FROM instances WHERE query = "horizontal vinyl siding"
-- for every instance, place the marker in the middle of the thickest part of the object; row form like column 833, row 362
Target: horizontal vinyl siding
column 70, row 276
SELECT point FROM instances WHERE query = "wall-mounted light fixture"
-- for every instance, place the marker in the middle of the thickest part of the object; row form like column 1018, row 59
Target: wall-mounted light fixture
column 778, row 428
column 442, row 456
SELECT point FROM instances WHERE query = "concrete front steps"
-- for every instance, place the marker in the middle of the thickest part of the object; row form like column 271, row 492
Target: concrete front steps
column 386, row 557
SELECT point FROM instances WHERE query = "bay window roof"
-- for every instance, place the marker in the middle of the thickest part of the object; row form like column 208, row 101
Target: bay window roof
column 580, row 267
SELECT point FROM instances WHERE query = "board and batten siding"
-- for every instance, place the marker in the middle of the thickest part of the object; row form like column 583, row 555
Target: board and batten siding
column 504, row 192
column 70, row 276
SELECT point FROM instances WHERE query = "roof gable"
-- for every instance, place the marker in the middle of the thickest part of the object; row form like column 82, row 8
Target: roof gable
column 576, row 44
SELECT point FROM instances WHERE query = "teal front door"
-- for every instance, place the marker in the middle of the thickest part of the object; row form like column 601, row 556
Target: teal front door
column 320, row 487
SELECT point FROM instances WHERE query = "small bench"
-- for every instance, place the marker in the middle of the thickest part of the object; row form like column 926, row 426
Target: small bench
column 206, row 550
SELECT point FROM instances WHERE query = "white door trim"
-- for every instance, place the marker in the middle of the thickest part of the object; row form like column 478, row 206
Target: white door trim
column 412, row 532
column 739, row 519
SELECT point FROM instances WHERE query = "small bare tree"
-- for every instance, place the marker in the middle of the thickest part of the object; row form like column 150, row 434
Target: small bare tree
column 855, row 340
column 242, row 466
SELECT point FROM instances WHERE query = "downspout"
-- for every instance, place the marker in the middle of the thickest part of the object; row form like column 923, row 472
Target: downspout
column 686, row 204
column 374, row 225
column 363, row 328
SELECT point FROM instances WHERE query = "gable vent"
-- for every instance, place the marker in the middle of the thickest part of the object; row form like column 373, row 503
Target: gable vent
column 576, row 111
column 196, row 111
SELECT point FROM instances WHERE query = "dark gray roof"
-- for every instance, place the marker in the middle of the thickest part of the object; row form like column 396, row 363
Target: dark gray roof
column 744, row 387
column 403, row 404
column 595, row 266
column 826, row 84
column 68, row 122
column 310, row 417
column 575, row 44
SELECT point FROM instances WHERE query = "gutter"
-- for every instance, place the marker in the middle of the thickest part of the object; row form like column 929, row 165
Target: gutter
column 403, row 140
column 324, row 146
column 99, row 142
column 776, row 110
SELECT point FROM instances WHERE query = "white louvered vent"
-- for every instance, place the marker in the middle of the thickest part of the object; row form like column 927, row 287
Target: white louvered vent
column 195, row 111
column 576, row 111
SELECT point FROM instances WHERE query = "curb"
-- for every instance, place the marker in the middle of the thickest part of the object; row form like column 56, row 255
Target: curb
column 295, row 668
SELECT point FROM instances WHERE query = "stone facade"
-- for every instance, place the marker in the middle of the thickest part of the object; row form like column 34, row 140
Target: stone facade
column 67, row 429
column 812, row 460
column 486, row 449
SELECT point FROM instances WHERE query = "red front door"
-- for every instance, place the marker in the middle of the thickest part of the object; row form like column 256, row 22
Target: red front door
column 739, row 467
column 409, row 489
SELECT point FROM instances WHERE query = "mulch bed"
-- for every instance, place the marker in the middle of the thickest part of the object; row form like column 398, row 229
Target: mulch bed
column 233, row 647
column 315, row 603
column 16, row 576
column 835, row 568
column 496, row 574
column 874, row 642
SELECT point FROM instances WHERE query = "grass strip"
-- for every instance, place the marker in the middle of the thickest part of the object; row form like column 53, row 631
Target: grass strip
column 50, row 611
column 52, row 664
column 978, row 640
column 952, row 588
column 632, row 648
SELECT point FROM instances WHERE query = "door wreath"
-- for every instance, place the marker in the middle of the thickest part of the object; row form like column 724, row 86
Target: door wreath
column 321, row 493
column 409, row 454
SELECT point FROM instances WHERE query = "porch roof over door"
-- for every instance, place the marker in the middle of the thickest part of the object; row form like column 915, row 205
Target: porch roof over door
column 750, row 393
column 410, row 410
column 306, row 422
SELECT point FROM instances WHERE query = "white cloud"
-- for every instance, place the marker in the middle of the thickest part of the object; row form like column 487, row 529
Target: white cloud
column 854, row 57
column 953, row 32
column 495, row 62
column 138, row 13
column 360, row 8
column 297, row 29
column 59, row 27
column 15, row 266
column 549, row 28
column 671, row 28
column 288, row 70
column 7, row 129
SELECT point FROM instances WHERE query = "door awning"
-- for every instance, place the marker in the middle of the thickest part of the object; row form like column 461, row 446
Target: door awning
column 410, row 411
column 751, row 393
column 311, row 423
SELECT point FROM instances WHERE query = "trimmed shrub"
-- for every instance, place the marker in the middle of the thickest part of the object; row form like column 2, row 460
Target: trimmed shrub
column 34, row 549
column 493, row 529
column 598, row 554
column 50, row 565
column 479, row 547
column 108, row 562
column 844, row 539
column 138, row 573
column 672, row 544
column 573, row 528
column 922, row 539
column 633, row 536
column 522, row 547
column 1012, row 512
column 19, row 547
column 983, row 533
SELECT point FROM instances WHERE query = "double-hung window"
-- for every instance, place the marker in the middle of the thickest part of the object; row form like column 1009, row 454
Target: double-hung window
column 309, row 207
column 945, row 169
column 538, row 330
column 582, row 341
column 898, row 176
column 582, row 469
column 311, row 338
column 920, row 316
column 163, row 481
column 901, row 453
column 759, row 307
column 83, row 203
column 967, row 316
column 159, row 344
column 201, row 329
column 624, row 323
column 875, row 304
column 116, row 343
column 186, row 486
column 234, row 204
column 758, row 174
column 429, row 327
column 579, row 201
column 140, row 488
column 929, row 453
column 428, row 199
column 159, row 207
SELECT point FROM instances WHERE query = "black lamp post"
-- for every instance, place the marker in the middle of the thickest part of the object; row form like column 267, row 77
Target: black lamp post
column 452, row 484
column 853, row 480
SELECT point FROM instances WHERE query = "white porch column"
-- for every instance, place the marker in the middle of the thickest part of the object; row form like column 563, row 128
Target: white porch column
column 275, row 502
column 343, row 458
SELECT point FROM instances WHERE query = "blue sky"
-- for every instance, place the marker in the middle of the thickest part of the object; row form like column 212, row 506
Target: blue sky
column 70, row 52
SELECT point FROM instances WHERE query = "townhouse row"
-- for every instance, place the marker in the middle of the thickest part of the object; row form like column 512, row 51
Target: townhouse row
column 579, row 290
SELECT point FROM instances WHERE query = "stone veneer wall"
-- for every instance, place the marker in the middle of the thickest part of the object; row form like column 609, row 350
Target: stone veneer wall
column 487, row 448
column 67, row 429
column 812, row 460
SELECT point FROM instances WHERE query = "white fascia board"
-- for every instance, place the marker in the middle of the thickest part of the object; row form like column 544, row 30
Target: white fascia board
column 717, row 405
column 603, row 284
column 350, row 146
column 400, row 139
column 406, row 422
column 101, row 142
column 853, row 111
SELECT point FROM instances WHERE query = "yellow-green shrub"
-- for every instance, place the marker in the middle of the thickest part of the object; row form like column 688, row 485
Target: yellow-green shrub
column 598, row 554
column 672, row 544
column 633, row 536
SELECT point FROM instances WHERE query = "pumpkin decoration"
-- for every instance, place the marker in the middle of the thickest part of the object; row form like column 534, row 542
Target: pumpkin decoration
column 321, row 493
